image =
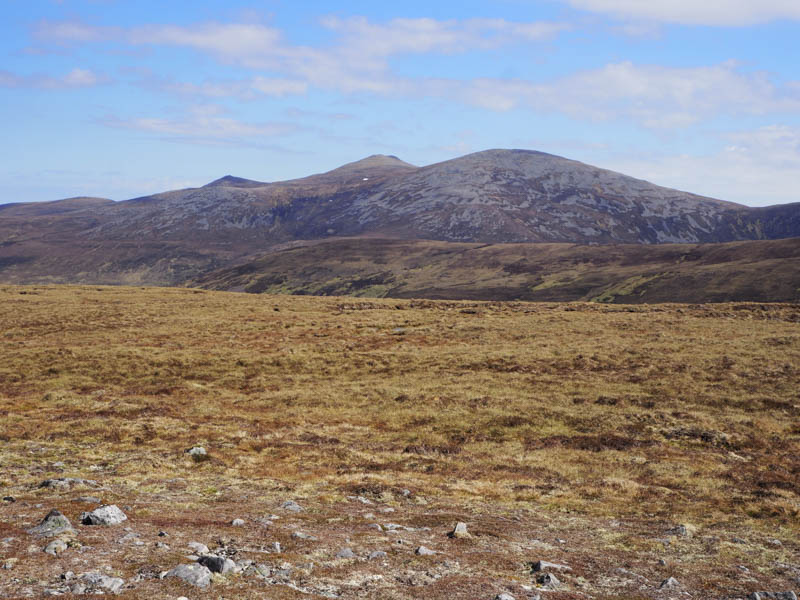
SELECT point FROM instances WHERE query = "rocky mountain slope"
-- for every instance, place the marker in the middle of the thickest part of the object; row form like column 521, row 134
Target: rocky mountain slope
column 495, row 196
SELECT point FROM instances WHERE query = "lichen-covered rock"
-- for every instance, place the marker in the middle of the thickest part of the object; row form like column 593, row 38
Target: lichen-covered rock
column 54, row 524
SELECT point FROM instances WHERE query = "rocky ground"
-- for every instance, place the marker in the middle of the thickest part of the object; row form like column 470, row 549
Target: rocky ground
column 59, row 538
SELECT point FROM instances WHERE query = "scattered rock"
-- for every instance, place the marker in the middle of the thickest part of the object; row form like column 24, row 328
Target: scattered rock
column 56, row 547
column 98, row 581
column 504, row 597
column 88, row 499
column 105, row 515
column 53, row 524
column 543, row 565
column 423, row 551
column 299, row 535
column 198, row 547
column 217, row 564
column 460, row 531
column 669, row 583
column 65, row 483
column 238, row 522
column 276, row 547
column 9, row 563
column 345, row 553
column 548, row 580
column 197, row 453
column 772, row 596
column 291, row 506
column 194, row 574
column 377, row 554
column 375, row 526
column 683, row 530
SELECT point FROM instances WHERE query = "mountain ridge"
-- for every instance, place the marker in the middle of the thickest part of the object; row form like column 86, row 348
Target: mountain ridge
column 490, row 197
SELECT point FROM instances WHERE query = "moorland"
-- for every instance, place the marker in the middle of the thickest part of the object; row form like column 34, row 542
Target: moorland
column 633, row 444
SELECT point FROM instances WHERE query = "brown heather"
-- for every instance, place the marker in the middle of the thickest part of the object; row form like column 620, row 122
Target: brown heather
column 526, row 420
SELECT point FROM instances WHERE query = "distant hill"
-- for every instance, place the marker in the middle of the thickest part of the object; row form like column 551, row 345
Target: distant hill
column 757, row 271
column 491, row 197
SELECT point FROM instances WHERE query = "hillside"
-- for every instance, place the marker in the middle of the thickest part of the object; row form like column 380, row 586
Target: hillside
column 758, row 271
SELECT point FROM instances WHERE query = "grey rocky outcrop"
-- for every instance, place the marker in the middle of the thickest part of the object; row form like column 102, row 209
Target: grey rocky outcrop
column 772, row 596
column 543, row 565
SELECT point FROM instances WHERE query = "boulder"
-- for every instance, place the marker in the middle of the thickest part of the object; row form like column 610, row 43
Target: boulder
column 105, row 515
column 52, row 525
column 194, row 574
column 460, row 531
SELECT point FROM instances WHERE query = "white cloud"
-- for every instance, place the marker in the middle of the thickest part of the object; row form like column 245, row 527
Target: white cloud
column 76, row 78
column 757, row 167
column 203, row 123
column 357, row 61
column 694, row 12
column 654, row 96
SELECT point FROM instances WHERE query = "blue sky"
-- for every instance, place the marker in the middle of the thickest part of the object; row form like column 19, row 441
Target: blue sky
column 120, row 99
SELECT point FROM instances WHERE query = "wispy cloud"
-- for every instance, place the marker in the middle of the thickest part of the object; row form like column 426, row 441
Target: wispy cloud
column 651, row 95
column 755, row 167
column 692, row 12
column 76, row 78
column 207, row 124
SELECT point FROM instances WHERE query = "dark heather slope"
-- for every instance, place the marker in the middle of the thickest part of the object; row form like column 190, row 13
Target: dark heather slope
column 761, row 271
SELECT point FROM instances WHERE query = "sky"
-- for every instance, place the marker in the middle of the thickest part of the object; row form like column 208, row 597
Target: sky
column 119, row 99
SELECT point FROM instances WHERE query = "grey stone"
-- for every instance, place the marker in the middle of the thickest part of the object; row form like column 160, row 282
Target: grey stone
column 56, row 547
column 78, row 589
column 65, row 483
column 377, row 554
column 88, row 499
column 291, row 506
column 669, row 583
column 460, row 531
column 100, row 581
column 105, row 515
column 194, row 574
column 276, row 547
column 9, row 563
column 53, row 524
column 198, row 547
column 238, row 522
column 299, row 535
column 423, row 551
column 772, row 596
column 543, row 565
column 375, row 526
column 345, row 553
column 504, row 597
column 263, row 571
column 548, row 580
column 217, row 564
column 68, row 576
column 196, row 451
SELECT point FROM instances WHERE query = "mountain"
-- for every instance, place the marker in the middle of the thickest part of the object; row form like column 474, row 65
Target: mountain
column 490, row 197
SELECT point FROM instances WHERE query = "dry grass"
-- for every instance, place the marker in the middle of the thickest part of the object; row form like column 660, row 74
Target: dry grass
column 654, row 415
